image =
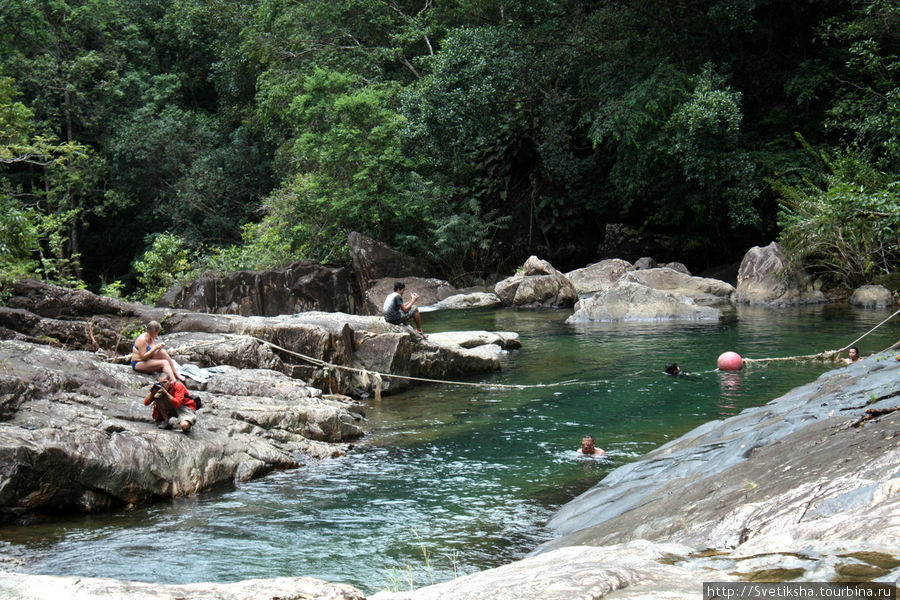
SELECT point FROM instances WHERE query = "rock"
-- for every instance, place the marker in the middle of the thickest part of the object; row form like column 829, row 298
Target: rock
column 77, row 436
column 431, row 291
column 291, row 344
column 638, row 569
column 644, row 262
column 470, row 300
column 708, row 292
column 301, row 286
column 472, row 339
column 802, row 476
column 537, row 266
column 373, row 260
column 544, row 287
column 762, row 279
column 872, row 296
column 628, row 301
column 598, row 276
column 626, row 242
column 47, row 587
column 677, row 266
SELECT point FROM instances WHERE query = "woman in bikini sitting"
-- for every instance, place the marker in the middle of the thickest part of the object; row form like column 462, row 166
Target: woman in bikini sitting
column 150, row 356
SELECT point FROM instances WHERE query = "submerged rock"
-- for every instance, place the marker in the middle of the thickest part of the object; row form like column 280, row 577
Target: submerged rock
column 628, row 301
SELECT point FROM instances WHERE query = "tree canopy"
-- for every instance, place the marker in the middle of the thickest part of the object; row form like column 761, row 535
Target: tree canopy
column 250, row 133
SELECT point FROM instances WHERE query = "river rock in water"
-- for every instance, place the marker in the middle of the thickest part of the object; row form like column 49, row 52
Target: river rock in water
column 539, row 284
column 705, row 291
column 628, row 301
column 763, row 278
column 872, row 296
column 598, row 276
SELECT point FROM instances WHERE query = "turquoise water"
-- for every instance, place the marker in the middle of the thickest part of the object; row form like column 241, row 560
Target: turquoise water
column 454, row 479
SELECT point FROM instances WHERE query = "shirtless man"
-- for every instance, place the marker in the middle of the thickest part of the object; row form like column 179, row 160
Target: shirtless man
column 150, row 356
column 588, row 449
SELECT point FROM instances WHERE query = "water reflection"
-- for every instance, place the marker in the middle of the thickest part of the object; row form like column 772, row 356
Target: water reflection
column 730, row 384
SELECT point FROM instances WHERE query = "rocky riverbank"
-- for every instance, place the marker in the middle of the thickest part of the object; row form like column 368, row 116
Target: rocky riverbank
column 804, row 488
column 74, row 434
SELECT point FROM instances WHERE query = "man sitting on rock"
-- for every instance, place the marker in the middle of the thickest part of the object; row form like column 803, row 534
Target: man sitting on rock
column 171, row 399
column 397, row 312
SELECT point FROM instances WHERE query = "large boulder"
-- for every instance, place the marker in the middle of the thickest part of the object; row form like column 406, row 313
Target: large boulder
column 598, row 276
column 76, row 435
column 709, row 292
column 872, row 296
column 629, row 301
column 539, row 284
column 430, row 291
column 298, row 287
column 373, row 260
column 764, row 278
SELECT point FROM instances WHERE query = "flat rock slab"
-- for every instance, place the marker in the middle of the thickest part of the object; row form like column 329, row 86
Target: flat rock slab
column 507, row 340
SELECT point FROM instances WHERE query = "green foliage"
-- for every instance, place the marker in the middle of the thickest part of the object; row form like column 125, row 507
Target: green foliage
column 844, row 222
column 164, row 263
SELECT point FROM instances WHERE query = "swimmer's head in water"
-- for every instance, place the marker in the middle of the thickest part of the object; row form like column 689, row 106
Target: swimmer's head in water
column 672, row 369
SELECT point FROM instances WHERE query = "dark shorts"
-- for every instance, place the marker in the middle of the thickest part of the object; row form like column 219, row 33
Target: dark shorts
column 404, row 317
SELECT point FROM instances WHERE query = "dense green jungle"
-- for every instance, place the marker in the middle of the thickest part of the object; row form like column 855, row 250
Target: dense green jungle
column 145, row 142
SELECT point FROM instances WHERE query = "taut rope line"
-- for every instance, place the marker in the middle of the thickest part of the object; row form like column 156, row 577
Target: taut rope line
column 322, row 363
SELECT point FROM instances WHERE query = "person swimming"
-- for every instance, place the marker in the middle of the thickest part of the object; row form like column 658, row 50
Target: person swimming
column 588, row 448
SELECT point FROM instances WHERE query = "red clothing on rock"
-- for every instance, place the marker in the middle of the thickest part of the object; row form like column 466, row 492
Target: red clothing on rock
column 180, row 397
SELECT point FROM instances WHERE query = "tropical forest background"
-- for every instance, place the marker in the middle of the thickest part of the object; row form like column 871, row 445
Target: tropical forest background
column 142, row 142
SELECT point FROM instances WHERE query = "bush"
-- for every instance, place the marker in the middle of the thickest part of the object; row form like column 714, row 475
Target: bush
column 847, row 223
column 164, row 263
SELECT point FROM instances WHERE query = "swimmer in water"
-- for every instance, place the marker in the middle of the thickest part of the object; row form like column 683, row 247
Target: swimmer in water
column 588, row 449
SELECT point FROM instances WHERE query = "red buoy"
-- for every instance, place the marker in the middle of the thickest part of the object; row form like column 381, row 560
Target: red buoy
column 730, row 361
